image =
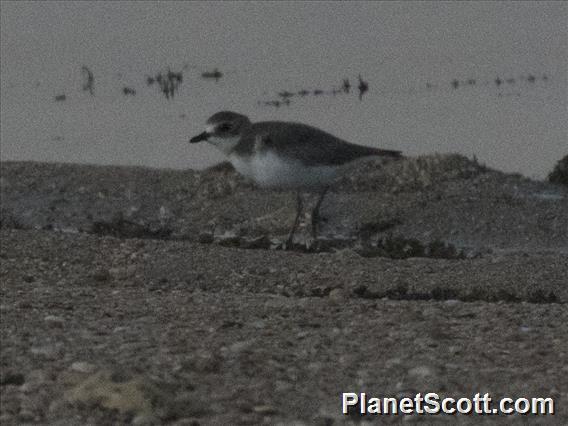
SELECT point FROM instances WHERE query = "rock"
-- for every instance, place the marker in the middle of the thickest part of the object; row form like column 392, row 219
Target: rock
column 264, row 409
column 145, row 420
column 241, row 346
column 100, row 389
column 10, row 378
column 205, row 238
column 256, row 243
column 82, row 367
column 204, row 361
column 421, row 371
column 48, row 351
column 6, row 419
column 101, row 275
column 122, row 273
column 337, row 295
column 54, row 321
column 26, row 415
column 229, row 240
column 23, row 304
column 259, row 324
column 560, row 173
column 393, row 362
column 183, row 405
column 28, row 278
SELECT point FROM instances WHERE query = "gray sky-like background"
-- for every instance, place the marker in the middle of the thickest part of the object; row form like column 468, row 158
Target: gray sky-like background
column 267, row 47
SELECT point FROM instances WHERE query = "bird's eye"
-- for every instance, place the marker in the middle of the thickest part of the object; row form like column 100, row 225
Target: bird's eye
column 225, row 127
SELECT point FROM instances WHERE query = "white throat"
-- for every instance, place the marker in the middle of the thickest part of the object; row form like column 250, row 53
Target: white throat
column 225, row 145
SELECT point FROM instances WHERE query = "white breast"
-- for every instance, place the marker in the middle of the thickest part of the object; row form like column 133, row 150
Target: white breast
column 267, row 169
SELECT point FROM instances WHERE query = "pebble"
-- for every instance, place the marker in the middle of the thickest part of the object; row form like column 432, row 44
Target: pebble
column 82, row 367
column 123, row 273
column 259, row 324
column 454, row 350
column 421, row 371
column 16, row 379
column 206, row 362
column 24, row 304
column 282, row 386
column 337, row 295
column 101, row 275
column 241, row 346
column 264, row 409
column 205, row 238
column 28, row 278
column 256, row 243
column 26, row 416
column 229, row 241
column 393, row 362
column 54, row 320
column 49, row 351
column 144, row 420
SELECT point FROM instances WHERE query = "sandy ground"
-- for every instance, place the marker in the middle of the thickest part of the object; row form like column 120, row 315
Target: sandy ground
column 143, row 296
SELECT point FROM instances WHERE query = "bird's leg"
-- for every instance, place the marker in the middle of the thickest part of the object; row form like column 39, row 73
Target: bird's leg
column 299, row 208
column 315, row 212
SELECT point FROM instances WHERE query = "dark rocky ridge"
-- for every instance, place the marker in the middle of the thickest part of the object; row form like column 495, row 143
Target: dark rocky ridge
column 447, row 198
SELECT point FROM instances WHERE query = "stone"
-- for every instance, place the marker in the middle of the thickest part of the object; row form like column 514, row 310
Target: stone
column 82, row 367
column 54, row 320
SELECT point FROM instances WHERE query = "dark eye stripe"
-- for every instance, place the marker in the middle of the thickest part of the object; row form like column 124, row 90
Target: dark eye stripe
column 225, row 127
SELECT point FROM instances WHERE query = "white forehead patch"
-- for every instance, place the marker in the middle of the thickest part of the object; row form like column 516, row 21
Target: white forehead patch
column 210, row 128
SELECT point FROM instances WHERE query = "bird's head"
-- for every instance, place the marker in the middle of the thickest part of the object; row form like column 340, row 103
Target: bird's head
column 224, row 130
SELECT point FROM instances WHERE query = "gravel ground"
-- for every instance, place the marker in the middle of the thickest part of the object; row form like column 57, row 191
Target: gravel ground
column 148, row 309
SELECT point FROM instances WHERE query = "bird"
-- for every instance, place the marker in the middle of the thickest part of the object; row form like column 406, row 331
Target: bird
column 285, row 155
column 363, row 87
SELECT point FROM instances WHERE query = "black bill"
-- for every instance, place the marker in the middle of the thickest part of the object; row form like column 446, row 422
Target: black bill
column 200, row 137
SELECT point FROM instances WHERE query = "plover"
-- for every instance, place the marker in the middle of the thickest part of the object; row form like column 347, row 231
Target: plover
column 285, row 155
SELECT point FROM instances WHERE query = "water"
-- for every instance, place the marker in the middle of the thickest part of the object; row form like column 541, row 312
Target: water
column 409, row 55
